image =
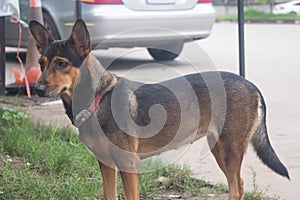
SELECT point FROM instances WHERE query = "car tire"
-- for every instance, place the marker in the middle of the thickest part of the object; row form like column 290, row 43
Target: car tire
column 50, row 25
column 166, row 52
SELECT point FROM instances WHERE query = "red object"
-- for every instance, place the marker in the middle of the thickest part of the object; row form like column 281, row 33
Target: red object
column 32, row 3
column 33, row 75
column 85, row 114
column 16, row 73
column 95, row 102
column 102, row 1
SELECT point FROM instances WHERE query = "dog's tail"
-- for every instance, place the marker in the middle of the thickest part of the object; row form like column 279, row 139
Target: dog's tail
column 262, row 145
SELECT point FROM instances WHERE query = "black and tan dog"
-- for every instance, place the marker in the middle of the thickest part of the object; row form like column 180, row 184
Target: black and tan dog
column 230, row 118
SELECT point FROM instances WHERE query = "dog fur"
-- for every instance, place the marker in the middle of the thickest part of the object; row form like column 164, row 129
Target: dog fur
column 229, row 130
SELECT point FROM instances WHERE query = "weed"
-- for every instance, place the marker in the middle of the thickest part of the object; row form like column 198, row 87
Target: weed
column 175, row 178
column 258, row 194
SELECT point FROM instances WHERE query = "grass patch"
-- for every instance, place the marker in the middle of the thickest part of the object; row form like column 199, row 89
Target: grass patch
column 44, row 162
column 257, row 14
column 175, row 178
column 49, row 162
column 257, row 193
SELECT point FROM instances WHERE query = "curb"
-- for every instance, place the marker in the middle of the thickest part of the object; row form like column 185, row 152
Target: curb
column 262, row 21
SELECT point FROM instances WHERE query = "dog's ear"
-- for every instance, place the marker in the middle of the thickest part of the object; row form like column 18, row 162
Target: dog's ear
column 81, row 38
column 40, row 34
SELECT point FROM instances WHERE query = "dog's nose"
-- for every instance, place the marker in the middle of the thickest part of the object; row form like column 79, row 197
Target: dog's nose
column 40, row 90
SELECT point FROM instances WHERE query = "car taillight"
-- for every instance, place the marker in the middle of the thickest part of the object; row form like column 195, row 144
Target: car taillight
column 204, row 1
column 102, row 1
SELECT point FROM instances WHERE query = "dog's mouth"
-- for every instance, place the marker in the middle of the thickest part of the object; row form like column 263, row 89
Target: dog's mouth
column 52, row 92
column 63, row 90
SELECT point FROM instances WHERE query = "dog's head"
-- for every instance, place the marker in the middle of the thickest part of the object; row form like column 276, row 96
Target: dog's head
column 60, row 60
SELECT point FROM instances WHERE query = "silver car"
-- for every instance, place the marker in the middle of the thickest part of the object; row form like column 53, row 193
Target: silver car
column 162, row 26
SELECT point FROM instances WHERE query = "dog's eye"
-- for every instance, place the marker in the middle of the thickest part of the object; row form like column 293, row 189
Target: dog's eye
column 61, row 65
column 42, row 62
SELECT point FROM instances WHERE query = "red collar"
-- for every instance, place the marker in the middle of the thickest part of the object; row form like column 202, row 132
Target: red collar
column 85, row 114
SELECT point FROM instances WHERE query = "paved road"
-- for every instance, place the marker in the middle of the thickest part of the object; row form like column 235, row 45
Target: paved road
column 273, row 64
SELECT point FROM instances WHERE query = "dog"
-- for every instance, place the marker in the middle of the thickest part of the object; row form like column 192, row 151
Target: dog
column 230, row 118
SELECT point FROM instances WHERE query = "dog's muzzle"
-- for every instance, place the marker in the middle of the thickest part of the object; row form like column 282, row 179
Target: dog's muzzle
column 40, row 90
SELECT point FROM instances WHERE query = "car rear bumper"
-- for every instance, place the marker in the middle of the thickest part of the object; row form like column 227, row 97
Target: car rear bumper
column 119, row 26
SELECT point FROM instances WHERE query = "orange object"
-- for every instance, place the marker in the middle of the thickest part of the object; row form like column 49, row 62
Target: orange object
column 17, row 76
column 33, row 74
column 32, row 3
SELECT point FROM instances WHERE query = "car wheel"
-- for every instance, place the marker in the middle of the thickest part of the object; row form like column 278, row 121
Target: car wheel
column 166, row 52
column 50, row 25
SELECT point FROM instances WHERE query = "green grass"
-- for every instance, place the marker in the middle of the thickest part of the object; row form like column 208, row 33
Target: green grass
column 49, row 162
column 44, row 162
column 257, row 193
column 257, row 14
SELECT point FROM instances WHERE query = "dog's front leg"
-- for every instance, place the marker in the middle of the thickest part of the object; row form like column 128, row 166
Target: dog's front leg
column 130, row 177
column 109, row 176
column 131, row 185
column 128, row 162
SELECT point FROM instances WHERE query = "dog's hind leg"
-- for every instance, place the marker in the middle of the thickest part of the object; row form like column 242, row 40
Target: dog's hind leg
column 109, row 176
column 131, row 185
column 229, row 159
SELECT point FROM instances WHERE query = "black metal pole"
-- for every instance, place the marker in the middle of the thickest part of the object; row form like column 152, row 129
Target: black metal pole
column 77, row 9
column 241, row 37
column 2, row 56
